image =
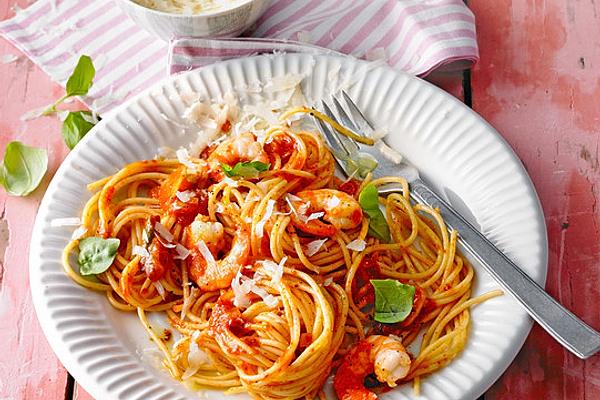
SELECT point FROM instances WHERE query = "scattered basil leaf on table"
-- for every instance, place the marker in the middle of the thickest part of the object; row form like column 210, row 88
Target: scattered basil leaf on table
column 96, row 254
column 78, row 84
column 369, row 202
column 249, row 169
column 82, row 78
column 393, row 300
column 23, row 168
column 75, row 127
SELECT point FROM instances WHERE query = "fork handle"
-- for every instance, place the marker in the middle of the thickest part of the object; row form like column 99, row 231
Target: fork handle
column 564, row 326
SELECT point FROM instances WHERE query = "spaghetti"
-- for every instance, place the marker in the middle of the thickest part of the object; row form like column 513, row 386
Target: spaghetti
column 261, row 259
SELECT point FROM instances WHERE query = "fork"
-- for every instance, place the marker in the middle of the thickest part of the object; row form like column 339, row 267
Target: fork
column 564, row 326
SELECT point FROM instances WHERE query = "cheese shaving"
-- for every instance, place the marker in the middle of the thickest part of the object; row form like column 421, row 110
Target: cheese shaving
column 205, row 252
column 182, row 252
column 269, row 300
column 313, row 247
column 160, row 289
column 196, row 358
column 79, row 233
column 389, row 153
column 283, row 82
column 184, row 158
column 230, row 182
column 316, row 215
column 292, row 197
column 185, row 196
column 165, row 152
column 328, row 281
column 69, row 221
column 241, row 286
column 260, row 226
column 357, row 245
column 187, row 302
column 274, row 270
column 140, row 251
column 163, row 232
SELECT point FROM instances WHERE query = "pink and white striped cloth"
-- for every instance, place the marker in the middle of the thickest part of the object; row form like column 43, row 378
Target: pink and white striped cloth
column 416, row 36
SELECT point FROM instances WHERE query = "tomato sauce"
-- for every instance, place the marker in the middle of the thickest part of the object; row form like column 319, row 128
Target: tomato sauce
column 185, row 212
column 351, row 187
column 159, row 262
column 282, row 145
column 363, row 291
column 353, row 370
column 227, row 319
column 226, row 126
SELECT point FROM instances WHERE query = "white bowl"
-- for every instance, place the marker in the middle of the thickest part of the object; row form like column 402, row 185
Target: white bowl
column 228, row 22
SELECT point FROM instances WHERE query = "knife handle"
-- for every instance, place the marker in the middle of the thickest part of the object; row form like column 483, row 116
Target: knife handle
column 564, row 326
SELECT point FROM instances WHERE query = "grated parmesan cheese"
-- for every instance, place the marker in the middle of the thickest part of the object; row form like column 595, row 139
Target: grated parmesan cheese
column 140, row 251
column 187, row 302
column 241, row 286
column 196, row 357
column 164, row 233
column 230, row 182
column 185, row 196
column 210, row 259
column 79, row 233
column 313, row 247
column 182, row 252
column 69, row 221
column 274, row 269
column 388, row 152
column 260, row 226
column 160, row 289
column 184, row 158
column 165, row 152
column 316, row 215
column 357, row 245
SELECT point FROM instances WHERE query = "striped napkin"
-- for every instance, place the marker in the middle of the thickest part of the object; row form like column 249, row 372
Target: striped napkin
column 416, row 36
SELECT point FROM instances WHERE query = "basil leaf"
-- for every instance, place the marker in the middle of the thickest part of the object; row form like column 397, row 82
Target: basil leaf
column 369, row 202
column 75, row 126
column 82, row 77
column 96, row 254
column 23, row 168
column 250, row 169
column 393, row 300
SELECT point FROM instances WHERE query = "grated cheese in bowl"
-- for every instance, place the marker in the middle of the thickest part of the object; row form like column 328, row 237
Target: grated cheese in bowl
column 187, row 7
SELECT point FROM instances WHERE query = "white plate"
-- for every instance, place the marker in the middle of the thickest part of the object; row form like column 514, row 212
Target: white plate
column 452, row 146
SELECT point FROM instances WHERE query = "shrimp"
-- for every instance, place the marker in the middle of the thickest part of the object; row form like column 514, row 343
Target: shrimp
column 383, row 355
column 203, row 229
column 240, row 148
column 206, row 240
column 338, row 210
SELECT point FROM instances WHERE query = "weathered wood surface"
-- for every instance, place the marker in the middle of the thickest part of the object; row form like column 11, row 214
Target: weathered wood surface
column 538, row 83
column 28, row 367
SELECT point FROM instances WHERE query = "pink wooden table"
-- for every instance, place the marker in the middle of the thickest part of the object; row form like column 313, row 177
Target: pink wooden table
column 538, row 83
